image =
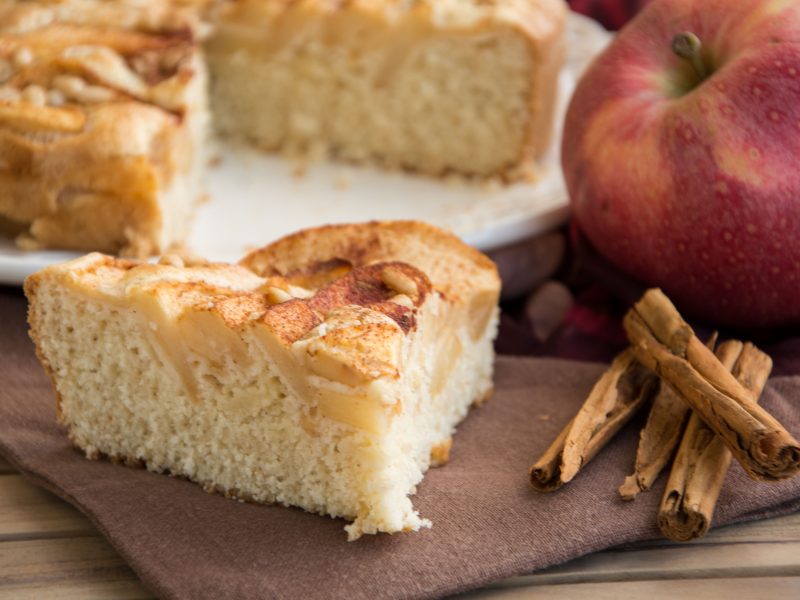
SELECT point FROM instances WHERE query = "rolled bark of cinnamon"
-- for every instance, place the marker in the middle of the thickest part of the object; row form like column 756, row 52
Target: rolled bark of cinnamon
column 702, row 461
column 665, row 343
column 657, row 441
column 614, row 399
column 659, row 438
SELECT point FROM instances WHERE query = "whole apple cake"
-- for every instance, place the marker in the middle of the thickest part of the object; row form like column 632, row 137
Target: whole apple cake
column 326, row 371
column 103, row 102
column 102, row 120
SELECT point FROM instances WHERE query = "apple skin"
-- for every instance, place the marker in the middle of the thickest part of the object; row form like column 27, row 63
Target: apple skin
column 696, row 192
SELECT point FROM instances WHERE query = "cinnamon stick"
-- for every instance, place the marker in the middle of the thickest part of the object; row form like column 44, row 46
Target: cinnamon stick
column 614, row 399
column 658, row 439
column 665, row 343
column 702, row 461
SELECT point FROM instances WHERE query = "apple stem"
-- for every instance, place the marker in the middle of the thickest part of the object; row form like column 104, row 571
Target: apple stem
column 688, row 46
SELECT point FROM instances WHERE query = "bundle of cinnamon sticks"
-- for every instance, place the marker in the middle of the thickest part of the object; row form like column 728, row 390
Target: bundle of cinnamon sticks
column 704, row 411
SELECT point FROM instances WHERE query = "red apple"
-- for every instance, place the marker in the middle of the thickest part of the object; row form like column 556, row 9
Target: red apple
column 683, row 163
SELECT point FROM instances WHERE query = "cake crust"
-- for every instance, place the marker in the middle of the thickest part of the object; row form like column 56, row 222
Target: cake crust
column 465, row 271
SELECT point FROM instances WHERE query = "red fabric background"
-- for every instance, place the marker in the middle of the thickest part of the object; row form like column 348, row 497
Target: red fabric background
column 613, row 14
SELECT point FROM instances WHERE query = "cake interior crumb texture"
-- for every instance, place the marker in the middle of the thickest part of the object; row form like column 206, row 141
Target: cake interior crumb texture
column 436, row 87
column 333, row 399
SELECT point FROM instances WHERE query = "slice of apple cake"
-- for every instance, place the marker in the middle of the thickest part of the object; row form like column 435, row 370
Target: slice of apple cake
column 326, row 371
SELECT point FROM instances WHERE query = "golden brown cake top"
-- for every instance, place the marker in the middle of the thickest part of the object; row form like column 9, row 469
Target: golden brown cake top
column 538, row 18
column 456, row 270
column 145, row 16
column 347, row 291
column 61, row 60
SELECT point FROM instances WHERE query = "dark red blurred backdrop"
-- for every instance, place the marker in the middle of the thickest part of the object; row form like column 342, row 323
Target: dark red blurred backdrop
column 613, row 14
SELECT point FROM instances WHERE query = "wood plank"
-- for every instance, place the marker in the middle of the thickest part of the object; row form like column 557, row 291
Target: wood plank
column 82, row 590
column 5, row 467
column 32, row 563
column 751, row 588
column 89, row 568
column 28, row 512
column 778, row 559
column 785, row 528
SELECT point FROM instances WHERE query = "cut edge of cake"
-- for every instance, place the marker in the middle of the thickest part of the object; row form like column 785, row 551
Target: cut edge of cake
column 439, row 87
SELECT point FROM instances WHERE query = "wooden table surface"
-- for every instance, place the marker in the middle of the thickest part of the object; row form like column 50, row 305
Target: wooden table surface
column 50, row 550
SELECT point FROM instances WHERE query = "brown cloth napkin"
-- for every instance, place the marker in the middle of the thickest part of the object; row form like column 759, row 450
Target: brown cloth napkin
column 487, row 522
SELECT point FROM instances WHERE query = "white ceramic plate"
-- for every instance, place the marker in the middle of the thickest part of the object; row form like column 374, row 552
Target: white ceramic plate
column 256, row 198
